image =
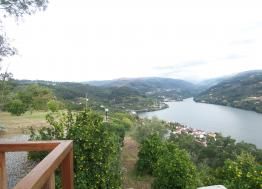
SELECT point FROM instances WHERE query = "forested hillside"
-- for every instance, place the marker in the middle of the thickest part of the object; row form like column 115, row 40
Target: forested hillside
column 174, row 89
column 23, row 95
column 243, row 90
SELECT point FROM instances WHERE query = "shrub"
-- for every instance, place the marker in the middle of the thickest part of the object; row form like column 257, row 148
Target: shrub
column 242, row 173
column 150, row 150
column 16, row 107
column 53, row 105
column 174, row 169
column 96, row 148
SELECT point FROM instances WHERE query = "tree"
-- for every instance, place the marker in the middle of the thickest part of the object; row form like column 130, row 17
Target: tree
column 5, row 47
column 149, row 127
column 96, row 148
column 35, row 96
column 188, row 143
column 53, row 105
column 22, row 7
column 150, row 150
column 242, row 173
column 97, row 153
column 174, row 169
column 5, row 77
column 16, row 107
column 18, row 8
column 217, row 151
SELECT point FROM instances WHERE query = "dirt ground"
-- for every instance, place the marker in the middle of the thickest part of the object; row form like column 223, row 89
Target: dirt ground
column 129, row 158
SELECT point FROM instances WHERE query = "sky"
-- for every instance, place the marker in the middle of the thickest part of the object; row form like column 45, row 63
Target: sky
column 84, row 40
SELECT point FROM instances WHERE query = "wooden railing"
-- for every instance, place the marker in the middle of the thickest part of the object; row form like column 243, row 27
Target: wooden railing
column 42, row 176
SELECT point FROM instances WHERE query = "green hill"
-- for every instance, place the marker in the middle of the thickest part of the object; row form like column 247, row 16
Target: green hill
column 73, row 94
column 174, row 89
column 243, row 90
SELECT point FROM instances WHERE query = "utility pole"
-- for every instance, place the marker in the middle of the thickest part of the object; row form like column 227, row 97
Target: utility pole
column 106, row 110
column 86, row 101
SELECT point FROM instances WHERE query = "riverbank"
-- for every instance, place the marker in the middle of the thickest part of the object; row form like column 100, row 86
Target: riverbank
column 152, row 109
column 243, row 106
column 240, row 124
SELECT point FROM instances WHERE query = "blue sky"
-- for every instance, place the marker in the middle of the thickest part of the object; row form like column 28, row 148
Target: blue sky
column 97, row 40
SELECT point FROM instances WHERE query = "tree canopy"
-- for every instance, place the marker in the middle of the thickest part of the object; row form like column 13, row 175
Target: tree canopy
column 17, row 8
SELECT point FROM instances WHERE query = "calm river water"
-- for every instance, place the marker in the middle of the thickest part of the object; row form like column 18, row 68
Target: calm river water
column 239, row 124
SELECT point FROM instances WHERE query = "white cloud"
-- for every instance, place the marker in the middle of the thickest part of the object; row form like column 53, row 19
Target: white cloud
column 92, row 40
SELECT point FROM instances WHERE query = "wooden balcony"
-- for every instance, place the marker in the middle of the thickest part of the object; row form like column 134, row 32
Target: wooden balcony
column 42, row 176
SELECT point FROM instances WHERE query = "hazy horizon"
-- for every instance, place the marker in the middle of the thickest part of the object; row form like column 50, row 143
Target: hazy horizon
column 134, row 78
column 102, row 40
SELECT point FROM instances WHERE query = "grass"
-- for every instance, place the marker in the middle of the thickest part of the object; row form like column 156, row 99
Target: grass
column 19, row 124
column 129, row 158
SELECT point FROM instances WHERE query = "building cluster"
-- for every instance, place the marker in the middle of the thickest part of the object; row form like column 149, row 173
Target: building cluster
column 201, row 136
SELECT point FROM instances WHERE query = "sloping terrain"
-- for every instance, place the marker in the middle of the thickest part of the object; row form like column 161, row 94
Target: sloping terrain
column 243, row 90
column 153, row 86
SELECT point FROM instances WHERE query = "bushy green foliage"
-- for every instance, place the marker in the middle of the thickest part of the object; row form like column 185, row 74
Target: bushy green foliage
column 211, row 159
column 171, row 166
column 217, row 151
column 54, row 105
column 174, row 169
column 151, row 148
column 147, row 127
column 31, row 97
column 242, row 173
column 16, row 107
column 189, row 143
column 38, row 96
column 206, row 175
column 121, row 122
column 96, row 152
column 96, row 148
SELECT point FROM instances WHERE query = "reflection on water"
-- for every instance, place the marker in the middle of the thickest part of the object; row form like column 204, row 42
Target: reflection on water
column 240, row 124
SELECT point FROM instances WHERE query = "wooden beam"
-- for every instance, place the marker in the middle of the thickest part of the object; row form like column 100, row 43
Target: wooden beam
column 28, row 146
column 50, row 183
column 40, row 175
column 3, row 175
column 67, row 170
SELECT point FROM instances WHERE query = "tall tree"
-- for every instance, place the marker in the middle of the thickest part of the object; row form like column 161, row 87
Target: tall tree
column 17, row 8
column 4, row 78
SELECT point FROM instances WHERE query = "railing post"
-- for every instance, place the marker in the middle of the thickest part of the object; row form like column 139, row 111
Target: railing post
column 3, row 176
column 50, row 184
column 67, row 172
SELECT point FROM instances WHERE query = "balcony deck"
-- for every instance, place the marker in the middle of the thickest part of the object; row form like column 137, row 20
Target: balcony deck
column 42, row 176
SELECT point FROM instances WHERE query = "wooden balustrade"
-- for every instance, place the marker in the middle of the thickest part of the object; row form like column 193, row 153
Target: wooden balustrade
column 42, row 176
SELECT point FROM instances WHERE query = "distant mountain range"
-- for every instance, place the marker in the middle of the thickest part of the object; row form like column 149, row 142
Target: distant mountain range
column 145, row 84
column 153, row 86
column 243, row 90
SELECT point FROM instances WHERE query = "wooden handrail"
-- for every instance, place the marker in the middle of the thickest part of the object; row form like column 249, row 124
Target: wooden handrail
column 42, row 176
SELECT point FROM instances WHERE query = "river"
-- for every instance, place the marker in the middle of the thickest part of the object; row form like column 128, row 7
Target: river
column 240, row 124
